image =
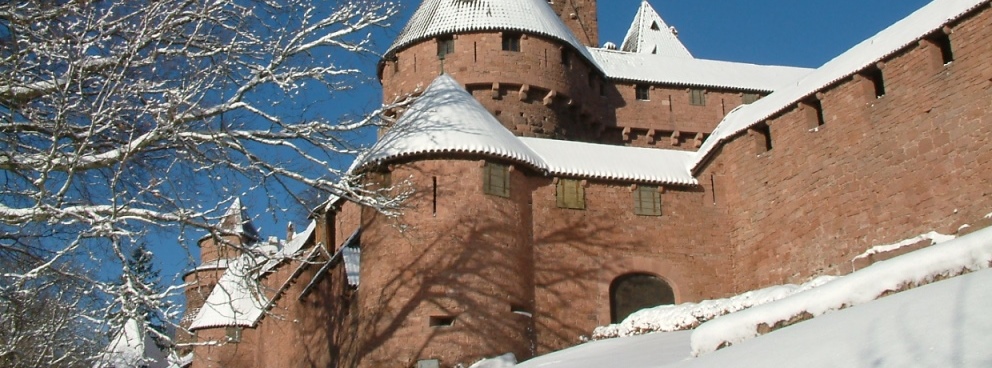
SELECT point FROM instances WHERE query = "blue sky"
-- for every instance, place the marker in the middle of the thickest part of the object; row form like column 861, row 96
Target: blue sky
column 796, row 33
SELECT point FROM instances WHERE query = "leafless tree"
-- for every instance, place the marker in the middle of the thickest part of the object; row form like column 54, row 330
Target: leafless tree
column 121, row 117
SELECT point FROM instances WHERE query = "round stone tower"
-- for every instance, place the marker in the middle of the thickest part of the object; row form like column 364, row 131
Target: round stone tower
column 450, row 280
column 517, row 57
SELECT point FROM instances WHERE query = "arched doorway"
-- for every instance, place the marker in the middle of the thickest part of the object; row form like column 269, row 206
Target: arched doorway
column 633, row 292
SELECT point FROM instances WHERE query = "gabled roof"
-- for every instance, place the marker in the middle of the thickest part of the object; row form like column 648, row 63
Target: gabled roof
column 905, row 32
column 237, row 221
column 438, row 17
column 648, row 68
column 649, row 34
column 447, row 119
column 608, row 162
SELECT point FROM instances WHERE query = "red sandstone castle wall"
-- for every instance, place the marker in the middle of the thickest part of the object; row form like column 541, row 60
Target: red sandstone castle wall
column 578, row 253
column 497, row 79
column 879, row 171
column 581, row 17
column 471, row 261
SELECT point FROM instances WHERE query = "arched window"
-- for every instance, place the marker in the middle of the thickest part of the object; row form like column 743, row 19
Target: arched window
column 633, row 292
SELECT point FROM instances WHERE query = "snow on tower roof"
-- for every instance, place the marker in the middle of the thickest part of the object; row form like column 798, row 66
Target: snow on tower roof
column 438, row 17
column 903, row 33
column 607, row 162
column 447, row 119
column 649, row 34
column 682, row 71
column 236, row 220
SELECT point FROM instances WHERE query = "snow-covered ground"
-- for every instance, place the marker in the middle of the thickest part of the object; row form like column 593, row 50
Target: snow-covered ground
column 687, row 316
column 642, row 351
column 942, row 324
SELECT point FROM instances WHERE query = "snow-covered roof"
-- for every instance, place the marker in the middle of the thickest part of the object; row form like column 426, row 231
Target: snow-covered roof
column 649, row 34
column 438, row 17
column 662, row 69
column 236, row 220
column 903, row 33
column 447, row 119
column 608, row 162
column 132, row 347
column 237, row 299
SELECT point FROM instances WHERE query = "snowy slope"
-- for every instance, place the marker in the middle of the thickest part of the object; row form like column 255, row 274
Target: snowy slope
column 651, row 350
column 944, row 324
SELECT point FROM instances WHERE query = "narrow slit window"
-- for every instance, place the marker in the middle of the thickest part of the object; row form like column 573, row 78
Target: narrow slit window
column 570, row 194
column 511, row 42
column 566, row 58
column 434, row 203
column 697, row 97
column 647, row 201
column 642, row 92
column 496, row 179
column 445, row 46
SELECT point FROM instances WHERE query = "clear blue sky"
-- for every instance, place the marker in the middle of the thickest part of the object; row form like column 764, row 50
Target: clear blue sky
column 797, row 33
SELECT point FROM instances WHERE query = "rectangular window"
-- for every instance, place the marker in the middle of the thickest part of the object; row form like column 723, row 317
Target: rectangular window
column 943, row 41
column 643, row 92
column 511, row 42
column 749, row 98
column 233, row 334
column 763, row 143
column 814, row 116
column 496, row 179
column 697, row 97
column 878, row 82
column 445, row 46
column 441, row 321
column 571, row 194
column 647, row 201
column 566, row 57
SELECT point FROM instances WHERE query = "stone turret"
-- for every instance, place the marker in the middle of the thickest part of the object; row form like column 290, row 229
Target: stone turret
column 215, row 253
column 517, row 57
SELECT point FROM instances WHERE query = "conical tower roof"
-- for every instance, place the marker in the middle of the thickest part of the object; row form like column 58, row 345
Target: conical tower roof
column 438, row 17
column 649, row 34
column 447, row 119
column 236, row 220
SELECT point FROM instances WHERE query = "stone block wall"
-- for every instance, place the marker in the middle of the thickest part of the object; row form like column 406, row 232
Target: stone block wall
column 877, row 171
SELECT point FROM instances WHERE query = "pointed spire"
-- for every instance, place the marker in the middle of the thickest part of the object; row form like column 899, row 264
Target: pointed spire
column 649, row 34
column 236, row 220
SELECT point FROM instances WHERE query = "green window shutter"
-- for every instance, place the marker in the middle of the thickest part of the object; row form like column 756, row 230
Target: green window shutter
column 496, row 179
column 571, row 194
column 647, row 201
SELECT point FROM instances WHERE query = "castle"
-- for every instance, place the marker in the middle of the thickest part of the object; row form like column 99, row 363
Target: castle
column 559, row 186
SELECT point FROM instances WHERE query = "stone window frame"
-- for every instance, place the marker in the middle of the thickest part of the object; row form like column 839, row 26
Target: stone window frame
column 496, row 179
column 647, row 200
column 511, row 41
column 445, row 46
column 697, row 97
column 642, row 92
column 233, row 333
column 570, row 193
